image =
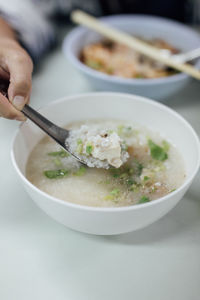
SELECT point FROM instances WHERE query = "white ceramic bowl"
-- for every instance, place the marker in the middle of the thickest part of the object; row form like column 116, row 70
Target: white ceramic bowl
column 107, row 221
column 173, row 32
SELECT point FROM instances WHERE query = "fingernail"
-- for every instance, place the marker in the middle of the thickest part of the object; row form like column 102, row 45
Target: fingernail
column 21, row 119
column 18, row 102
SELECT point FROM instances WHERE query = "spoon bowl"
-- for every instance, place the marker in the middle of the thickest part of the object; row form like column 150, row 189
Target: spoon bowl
column 57, row 133
column 182, row 57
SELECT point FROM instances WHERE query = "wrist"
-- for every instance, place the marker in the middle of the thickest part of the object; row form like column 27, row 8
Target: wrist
column 7, row 43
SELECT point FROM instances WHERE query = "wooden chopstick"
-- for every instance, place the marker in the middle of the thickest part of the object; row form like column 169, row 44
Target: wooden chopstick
column 119, row 36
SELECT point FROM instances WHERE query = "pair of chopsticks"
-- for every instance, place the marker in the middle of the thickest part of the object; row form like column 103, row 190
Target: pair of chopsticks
column 119, row 36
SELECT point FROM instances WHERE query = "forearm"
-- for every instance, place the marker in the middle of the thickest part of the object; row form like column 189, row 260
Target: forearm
column 6, row 30
column 32, row 28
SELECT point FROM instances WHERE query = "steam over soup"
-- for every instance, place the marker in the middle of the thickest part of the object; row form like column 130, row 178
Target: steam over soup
column 153, row 168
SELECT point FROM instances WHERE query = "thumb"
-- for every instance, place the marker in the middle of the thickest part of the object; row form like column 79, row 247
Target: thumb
column 19, row 91
column 20, row 69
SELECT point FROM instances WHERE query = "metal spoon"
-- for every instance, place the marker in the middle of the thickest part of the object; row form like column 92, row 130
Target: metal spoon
column 57, row 133
column 182, row 57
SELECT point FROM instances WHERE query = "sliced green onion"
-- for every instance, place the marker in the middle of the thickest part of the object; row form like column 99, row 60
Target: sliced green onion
column 120, row 129
column 57, row 162
column 104, row 182
column 115, row 172
column 115, row 192
column 138, row 167
column 157, row 152
column 128, row 131
column 89, row 149
column 130, row 181
column 144, row 199
column 110, row 131
column 55, row 174
column 124, row 146
column 135, row 188
column 61, row 153
column 166, row 145
column 79, row 142
column 81, row 171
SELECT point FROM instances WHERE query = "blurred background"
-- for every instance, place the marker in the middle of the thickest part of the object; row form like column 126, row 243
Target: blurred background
column 187, row 11
column 35, row 20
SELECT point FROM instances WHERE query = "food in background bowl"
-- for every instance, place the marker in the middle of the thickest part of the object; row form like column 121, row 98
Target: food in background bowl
column 152, row 169
column 119, row 60
column 148, row 27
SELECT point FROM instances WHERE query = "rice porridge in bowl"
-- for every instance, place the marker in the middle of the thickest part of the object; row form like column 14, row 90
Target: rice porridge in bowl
column 147, row 167
column 161, row 156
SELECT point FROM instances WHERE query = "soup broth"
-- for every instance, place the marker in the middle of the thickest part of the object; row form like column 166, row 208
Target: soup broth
column 154, row 169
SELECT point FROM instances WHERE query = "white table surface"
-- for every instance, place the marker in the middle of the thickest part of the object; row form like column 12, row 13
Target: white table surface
column 41, row 259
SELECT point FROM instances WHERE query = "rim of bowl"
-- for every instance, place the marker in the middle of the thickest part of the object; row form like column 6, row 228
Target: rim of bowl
column 110, row 209
column 68, row 40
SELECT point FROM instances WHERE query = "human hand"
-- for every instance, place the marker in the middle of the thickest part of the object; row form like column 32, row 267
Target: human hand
column 15, row 67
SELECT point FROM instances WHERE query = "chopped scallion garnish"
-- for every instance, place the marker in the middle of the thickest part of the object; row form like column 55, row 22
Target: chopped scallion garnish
column 130, row 181
column 79, row 142
column 157, row 152
column 55, row 174
column 146, row 178
column 144, row 199
column 81, row 171
column 89, row 149
column 166, row 145
column 115, row 192
column 113, row 195
column 61, row 153
column 57, row 162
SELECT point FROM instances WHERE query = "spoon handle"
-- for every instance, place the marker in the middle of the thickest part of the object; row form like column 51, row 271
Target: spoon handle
column 57, row 133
